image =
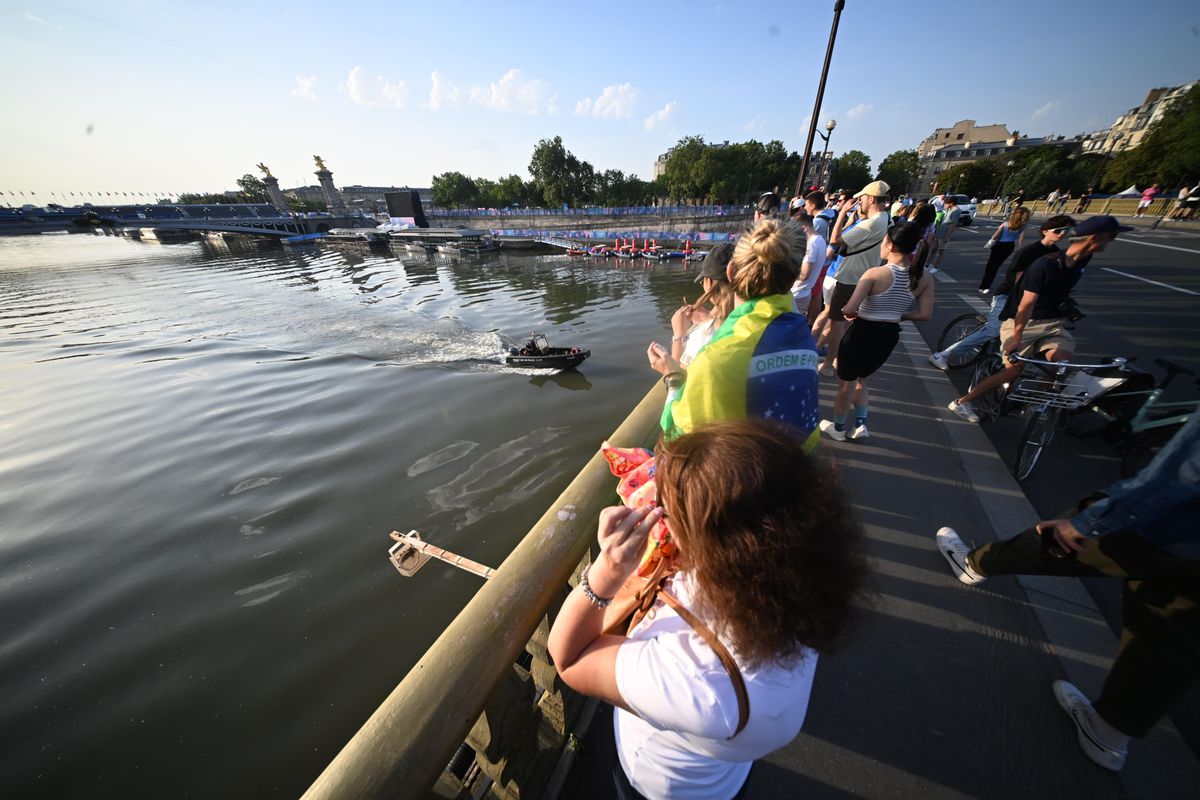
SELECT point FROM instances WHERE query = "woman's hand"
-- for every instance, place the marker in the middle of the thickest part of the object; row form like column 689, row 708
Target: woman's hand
column 622, row 537
column 681, row 320
column 660, row 360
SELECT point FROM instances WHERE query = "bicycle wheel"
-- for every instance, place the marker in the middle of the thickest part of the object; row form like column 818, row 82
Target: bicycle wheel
column 1038, row 433
column 988, row 404
column 1143, row 448
column 958, row 329
column 1086, row 421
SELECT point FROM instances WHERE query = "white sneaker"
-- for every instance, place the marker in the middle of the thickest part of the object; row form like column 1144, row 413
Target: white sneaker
column 832, row 432
column 860, row 432
column 1081, row 712
column 931, row 270
column 964, row 410
column 954, row 550
column 939, row 361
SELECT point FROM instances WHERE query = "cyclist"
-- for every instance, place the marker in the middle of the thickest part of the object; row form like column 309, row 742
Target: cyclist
column 1035, row 314
column 1054, row 230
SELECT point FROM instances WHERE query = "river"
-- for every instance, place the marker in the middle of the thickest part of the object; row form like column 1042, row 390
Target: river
column 202, row 453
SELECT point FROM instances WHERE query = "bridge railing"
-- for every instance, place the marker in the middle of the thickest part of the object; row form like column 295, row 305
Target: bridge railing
column 467, row 686
column 599, row 211
column 1117, row 206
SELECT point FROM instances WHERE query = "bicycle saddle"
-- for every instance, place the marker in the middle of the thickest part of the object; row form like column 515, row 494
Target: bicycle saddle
column 1172, row 367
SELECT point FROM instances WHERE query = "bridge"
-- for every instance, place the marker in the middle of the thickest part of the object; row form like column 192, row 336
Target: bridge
column 259, row 219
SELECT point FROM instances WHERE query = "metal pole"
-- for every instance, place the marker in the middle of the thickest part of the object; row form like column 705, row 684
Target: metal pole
column 825, row 159
column 838, row 5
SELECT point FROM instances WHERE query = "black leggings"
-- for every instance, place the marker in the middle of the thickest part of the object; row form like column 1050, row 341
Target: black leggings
column 999, row 252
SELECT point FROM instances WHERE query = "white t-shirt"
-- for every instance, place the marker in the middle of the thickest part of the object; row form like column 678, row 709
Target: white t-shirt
column 697, row 337
column 937, row 203
column 677, row 743
column 814, row 256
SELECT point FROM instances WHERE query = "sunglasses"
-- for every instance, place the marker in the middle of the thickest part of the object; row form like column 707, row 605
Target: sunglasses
column 1061, row 231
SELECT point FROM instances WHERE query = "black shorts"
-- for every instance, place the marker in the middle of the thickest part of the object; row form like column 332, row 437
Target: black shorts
column 865, row 347
column 841, row 295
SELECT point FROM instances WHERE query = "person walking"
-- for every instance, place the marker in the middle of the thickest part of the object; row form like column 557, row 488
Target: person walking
column 1033, row 322
column 1144, row 532
column 860, row 246
column 882, row 298
column 1054, row 230
column 762, row 361
column 1008, row 237
column 1180, row 202
column 1051, row 199
column 720, row 671
column 1084, row 199
column 945, row 229
column 1147, row 199
column 813, row 266
column 1063, row 199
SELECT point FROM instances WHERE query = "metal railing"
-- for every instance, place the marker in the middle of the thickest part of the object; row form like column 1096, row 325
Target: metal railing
column 1118, row 206
column 467, row 687
column 622, row 211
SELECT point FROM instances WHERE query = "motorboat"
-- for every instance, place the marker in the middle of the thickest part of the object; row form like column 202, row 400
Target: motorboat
column 537, row 353
column 357, row 236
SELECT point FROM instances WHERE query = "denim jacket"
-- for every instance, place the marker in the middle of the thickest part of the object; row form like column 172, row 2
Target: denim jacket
column 1161, row 503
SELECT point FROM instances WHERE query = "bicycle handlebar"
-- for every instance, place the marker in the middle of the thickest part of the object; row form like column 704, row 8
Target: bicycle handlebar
column 1115, row 362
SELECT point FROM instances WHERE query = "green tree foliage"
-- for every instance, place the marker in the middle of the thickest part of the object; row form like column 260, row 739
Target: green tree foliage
column 1169, row 155
column 562, row 177
column 851, row 170
column 900, row 171
column 975, row 178
column 202, row 198
column 727, row 172
column 304, row 204
column 253, row 189
column 454, row 190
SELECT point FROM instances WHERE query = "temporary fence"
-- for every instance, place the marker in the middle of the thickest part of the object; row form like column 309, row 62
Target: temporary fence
column 1117, row 206
column 535, row 233
column 598, row 211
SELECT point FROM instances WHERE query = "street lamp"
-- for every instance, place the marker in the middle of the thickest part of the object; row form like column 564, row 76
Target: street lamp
column 829, row 126
column 1104, row 161
column 1003, row 180
column 838, row 5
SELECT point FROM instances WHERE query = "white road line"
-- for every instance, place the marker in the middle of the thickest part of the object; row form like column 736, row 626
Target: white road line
column 941, row 275
column 1156, row 244
column 1147, row 280
column 976, row 303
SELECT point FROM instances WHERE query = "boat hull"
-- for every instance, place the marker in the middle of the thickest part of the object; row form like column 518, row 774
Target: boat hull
column 557, row 358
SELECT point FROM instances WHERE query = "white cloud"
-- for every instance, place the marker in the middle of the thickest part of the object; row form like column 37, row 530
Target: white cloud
column 443, row 94
column 859, row 110
column 661, row 116
column 755, row 124
column 513, row 93
column 1046, row 109
column 380, row 92
column 29, row 15
column 616, row 101
column 305, row 86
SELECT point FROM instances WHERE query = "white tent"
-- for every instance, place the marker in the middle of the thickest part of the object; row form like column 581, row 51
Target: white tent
column 1132, row 191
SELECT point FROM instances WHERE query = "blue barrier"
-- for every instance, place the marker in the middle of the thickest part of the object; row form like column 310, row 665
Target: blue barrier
column 531, row 233
column 624, row 211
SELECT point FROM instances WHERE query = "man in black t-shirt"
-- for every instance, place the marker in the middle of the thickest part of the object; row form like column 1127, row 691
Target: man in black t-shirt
column 1054, row 230
column 1035, row 327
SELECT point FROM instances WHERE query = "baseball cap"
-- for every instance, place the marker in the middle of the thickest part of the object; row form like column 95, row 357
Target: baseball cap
column 716, row 263
column 1102, row 223
column 875, row 189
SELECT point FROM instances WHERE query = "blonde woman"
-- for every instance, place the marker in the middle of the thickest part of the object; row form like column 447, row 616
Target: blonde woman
column 1008, row 237
column 694, row 324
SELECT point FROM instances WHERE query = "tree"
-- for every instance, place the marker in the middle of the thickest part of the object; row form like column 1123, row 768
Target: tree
column 511, row 191
column 851, row 170
column 900, row 171
column 253, row 189
column 562, row 177
column 454, row 190
column 975, row 178
column 1168, row 155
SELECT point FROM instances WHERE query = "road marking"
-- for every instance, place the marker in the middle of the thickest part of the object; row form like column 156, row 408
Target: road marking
column 976, row 303
column 1147, row 280
column 1156, row 244
column 941, row 275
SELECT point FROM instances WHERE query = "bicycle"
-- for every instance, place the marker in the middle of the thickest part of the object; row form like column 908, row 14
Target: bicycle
column 958, row 329
column 1046, row 394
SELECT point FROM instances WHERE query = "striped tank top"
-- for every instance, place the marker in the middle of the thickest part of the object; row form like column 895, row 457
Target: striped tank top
column 889, row 305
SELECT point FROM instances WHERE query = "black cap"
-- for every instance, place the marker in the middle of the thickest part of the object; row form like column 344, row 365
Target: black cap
column 1103, row 223
column 716, row 263
column 768, row 202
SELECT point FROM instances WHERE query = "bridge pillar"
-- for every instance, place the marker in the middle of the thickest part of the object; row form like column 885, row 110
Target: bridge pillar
column 332, row 197
column 273, row 191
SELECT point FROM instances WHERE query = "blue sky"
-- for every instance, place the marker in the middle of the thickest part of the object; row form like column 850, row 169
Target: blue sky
column 189, row 96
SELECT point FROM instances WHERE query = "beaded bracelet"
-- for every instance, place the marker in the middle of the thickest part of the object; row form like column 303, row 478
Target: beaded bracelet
column 593, row 598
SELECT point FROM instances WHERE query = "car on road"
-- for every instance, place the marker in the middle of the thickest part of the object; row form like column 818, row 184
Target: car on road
column 967, row 206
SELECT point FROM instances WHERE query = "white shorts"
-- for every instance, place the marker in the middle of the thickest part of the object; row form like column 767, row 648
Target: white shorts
column 1144, row 203
column 827, row 288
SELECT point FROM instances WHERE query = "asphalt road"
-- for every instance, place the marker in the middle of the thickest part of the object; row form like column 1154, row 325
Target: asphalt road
column 1142, row 300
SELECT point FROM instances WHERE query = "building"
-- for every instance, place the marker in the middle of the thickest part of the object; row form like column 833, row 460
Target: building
column 660, row 163
column 964, row 130
column 818, row 172
column 942, row 158
column 1131, row 127
column 359, row 197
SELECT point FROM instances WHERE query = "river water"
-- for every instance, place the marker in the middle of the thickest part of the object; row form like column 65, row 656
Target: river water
column 202, row 451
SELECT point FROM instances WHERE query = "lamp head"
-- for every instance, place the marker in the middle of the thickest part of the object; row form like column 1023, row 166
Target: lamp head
column 829, row 126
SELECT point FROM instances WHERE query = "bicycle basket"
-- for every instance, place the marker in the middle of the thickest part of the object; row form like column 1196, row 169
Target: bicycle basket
column 1091, row 386
column 1036, row 391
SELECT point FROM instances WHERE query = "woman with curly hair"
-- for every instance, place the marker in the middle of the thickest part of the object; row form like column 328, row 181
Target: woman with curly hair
column 769, row 572
column 762, row 360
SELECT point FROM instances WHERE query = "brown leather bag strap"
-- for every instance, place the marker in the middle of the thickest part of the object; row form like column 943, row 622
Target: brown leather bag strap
column 735, row 674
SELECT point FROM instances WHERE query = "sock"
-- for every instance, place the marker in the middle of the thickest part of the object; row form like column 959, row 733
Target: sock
column 839, row 422
column 860, row 415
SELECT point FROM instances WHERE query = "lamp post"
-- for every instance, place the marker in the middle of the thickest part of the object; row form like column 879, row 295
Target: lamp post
column 812, row 125
column 1104, row 161
column 825, row 171
column 1003, row 181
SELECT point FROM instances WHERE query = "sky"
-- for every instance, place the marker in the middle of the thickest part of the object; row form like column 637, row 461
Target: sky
column 158, row 96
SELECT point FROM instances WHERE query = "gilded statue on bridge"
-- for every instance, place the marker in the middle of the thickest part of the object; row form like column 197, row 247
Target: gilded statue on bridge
column 320, row 163
column 266, row 171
